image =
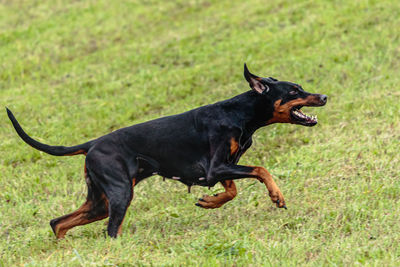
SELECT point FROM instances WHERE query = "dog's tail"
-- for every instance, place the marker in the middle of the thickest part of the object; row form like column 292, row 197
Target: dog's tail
column 52, row 150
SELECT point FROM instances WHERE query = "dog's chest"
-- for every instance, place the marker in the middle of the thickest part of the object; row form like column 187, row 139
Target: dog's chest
column 237, row 149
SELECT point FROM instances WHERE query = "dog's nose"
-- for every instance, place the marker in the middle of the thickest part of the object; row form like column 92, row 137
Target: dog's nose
column 323, row 98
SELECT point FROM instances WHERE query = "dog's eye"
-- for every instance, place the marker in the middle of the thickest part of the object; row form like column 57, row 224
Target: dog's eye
column 293, row 92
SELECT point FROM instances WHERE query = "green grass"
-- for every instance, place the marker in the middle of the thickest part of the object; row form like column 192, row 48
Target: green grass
column 75, row 70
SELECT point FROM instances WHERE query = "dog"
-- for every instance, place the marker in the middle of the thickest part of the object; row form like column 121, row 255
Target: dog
column 198, row 147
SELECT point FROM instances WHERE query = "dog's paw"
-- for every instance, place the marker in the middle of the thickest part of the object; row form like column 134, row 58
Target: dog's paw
column 281, row 206
column 277, row 197
column 210, row 202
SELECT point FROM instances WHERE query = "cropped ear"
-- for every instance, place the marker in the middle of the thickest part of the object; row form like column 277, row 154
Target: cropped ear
column 255, row 81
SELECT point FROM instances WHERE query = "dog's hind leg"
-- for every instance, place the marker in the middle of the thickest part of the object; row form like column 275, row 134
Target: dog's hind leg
column 95, row 208
column 113, row 173
column 119, row 198
column 118, row 187
column 216, row 201
column 119, row 202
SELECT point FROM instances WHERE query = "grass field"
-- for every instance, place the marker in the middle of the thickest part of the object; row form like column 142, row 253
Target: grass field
column 75, row 70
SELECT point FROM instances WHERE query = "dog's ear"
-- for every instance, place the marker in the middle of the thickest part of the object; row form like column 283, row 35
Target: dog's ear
column 255, row 81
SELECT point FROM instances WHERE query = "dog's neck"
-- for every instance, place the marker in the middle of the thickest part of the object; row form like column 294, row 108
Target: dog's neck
column 252, row 110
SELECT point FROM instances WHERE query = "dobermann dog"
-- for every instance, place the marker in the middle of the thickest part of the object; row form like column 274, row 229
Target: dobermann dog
column 199, row 147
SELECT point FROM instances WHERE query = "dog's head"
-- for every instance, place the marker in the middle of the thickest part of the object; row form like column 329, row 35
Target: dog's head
column 287, row 98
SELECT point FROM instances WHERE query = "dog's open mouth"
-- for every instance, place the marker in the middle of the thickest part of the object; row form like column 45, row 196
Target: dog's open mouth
column 299, row 117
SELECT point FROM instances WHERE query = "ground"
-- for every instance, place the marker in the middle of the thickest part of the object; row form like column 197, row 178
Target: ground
column 75, row 70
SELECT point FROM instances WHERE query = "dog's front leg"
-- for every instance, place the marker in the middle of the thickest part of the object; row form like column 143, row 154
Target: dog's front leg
column 274, row 192
column 216, row 201
column 231, row 172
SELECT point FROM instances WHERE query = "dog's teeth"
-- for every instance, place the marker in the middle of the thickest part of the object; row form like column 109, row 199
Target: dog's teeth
column 202, row 179
column 176, row 177
column 154, row 173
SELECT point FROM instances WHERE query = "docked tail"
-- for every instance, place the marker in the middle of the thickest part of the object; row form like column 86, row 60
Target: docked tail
column 52, row 150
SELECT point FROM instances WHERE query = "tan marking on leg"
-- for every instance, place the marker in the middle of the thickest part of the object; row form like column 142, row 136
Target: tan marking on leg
column 83, row 215
column 120, row 228
column 213, row 202
column 80, row 217
column 274, row 192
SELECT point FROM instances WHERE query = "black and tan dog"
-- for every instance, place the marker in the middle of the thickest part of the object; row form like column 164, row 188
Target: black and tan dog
column 198, row 147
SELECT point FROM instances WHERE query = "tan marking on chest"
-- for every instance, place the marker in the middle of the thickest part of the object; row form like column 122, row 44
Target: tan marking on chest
column 234, row 146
